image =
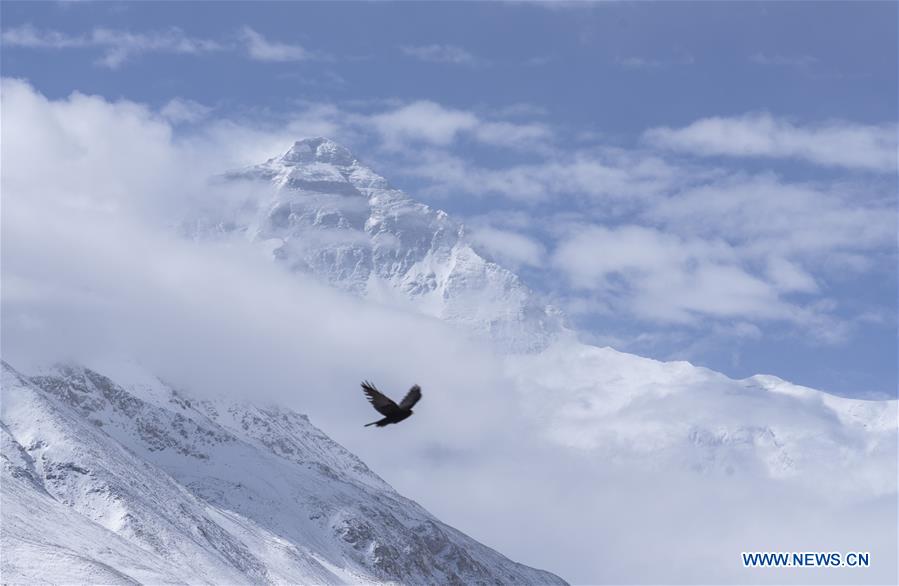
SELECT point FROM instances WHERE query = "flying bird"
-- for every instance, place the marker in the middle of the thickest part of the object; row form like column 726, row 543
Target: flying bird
column 392, row 412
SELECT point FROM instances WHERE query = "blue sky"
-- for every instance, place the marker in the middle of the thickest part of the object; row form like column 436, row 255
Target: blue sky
column 707, row 181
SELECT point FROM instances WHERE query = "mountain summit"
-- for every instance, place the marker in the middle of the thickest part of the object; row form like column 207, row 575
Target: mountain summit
column 335, row 218
column 318, row 150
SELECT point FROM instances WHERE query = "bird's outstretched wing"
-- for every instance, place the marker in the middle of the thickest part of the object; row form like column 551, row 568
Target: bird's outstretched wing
column 381, row 403
column 411, row 397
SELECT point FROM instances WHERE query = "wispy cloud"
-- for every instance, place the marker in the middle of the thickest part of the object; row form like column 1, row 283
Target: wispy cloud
column 538, row 61
column 753, row 248
column 608, row 176
column 424, row 121
column 634, row 62
column 840, row 144
column 660, row 276
column 441, row 54
column 428, row 122
column 798, row 61
column 28, row 36
column 178, row 110
column 637, row 63
column 262, row 49
column 118, row 46
column 511, row 249
column 666, row 279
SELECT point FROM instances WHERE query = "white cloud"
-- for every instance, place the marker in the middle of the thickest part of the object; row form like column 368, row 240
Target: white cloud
column 521, row 110
column 538, row 61
column 178, row 110
column 512, row 135
column 788, row 277
column 659, row 276
column 637, row 63
column 753, row 248
column 423, row 121
column 441, row 54
column 634, row 62
column 63, row 134
column 608, row 175
column 118, row 46
column 262, row 49
column 28, row 36
column 767, row 215
column 798, row 239
column 510, row 249
column 841, row 144
column 797, row 61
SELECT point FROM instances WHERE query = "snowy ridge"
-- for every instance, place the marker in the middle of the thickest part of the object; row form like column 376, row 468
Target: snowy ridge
column 125, row 490
column 622, row 406
column 874, row 416
column 335, row 218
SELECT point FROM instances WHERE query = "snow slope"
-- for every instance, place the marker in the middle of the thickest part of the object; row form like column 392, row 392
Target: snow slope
column 636, row 409
column 103, row 484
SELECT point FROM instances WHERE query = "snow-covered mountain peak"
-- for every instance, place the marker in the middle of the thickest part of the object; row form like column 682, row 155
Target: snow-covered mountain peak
column 316, row 165
column 333, row 217
column 317, row 149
